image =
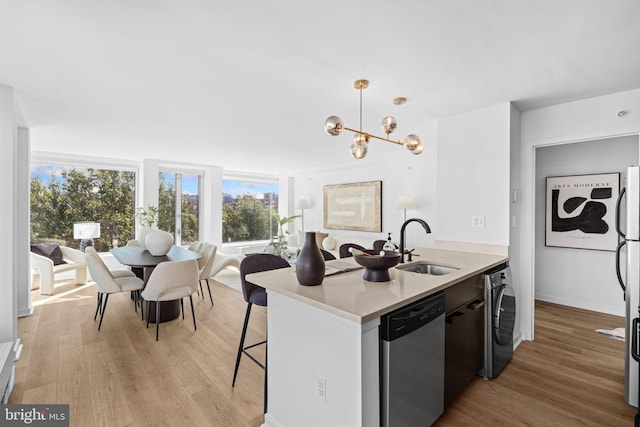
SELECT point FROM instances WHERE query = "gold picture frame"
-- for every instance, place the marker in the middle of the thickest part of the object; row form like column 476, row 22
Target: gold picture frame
column 355, row 206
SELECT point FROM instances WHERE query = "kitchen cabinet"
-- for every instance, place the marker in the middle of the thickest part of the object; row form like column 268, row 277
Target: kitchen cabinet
column 464, row 335
column 324, row 341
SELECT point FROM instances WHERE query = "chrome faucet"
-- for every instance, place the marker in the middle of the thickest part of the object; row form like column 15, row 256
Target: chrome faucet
column 404, row 225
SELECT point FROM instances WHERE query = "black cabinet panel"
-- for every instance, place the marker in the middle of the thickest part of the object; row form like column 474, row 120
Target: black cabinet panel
column 455, row 336
column 464, row 335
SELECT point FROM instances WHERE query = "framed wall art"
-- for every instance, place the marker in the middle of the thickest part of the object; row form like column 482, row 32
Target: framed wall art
column 580, row 211
column 356, row 206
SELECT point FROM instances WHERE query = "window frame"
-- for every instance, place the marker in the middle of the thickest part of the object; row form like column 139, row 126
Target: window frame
column 181, row 170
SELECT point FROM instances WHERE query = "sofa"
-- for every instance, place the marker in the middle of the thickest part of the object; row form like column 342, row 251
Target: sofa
column 50, row 259
column 331, row 241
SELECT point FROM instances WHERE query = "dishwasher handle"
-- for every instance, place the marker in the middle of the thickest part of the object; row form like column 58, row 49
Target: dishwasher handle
column 407, row 319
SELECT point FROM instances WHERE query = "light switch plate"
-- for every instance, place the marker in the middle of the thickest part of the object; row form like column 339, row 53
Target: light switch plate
column 477, row 221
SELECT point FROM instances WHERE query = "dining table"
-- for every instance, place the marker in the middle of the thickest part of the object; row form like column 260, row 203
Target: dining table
column 142, row 264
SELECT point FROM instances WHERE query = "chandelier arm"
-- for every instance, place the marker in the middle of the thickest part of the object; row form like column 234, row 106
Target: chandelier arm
column 373, row 136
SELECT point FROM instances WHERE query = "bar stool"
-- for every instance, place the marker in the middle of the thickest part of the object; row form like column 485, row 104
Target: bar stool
column 254, row 294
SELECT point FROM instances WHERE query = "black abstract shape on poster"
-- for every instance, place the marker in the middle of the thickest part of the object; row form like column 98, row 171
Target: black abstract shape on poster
column 572, row 203
column 601, row 193
column 588, row 221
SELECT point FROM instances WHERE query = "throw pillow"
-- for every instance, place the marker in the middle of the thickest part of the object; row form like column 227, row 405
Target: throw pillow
column 320, row 237
column 49, row 250
column 329, row 243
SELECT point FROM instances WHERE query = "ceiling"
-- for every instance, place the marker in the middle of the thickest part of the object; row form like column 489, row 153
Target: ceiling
column 248, row 84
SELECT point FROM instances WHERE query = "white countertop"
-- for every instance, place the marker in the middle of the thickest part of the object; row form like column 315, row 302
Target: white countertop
column 350, row 296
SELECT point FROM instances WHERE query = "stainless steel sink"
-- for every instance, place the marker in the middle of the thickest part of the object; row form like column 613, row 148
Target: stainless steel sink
column 427, row 268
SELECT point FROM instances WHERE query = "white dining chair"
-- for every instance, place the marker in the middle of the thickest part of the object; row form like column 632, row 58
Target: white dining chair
column 205, row 264
column 171, row 280
column 111, row 282
column 195, row 246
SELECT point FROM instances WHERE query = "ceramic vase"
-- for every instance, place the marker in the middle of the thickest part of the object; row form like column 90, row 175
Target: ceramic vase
column 158, row 242
column 310, row 263
column 142, row 235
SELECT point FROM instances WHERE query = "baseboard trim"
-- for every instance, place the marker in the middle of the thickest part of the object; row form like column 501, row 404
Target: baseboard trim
column 585, row 305
column 25, row 312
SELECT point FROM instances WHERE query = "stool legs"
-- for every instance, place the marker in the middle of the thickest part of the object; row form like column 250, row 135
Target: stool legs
column 265, row 378
column 241, row 346
column 242, row 349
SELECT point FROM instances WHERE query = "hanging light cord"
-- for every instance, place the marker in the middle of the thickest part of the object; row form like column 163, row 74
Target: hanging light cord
column 361, row 108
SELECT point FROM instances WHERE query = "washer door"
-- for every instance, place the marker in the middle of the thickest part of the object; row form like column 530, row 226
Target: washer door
column 504, row 315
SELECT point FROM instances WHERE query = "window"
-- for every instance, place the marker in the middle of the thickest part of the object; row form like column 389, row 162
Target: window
column 246, row 210
column 179, row 206
column 62, row 195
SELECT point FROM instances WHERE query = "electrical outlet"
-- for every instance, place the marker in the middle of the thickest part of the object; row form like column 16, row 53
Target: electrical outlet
column 477, row 221
column 321, row 388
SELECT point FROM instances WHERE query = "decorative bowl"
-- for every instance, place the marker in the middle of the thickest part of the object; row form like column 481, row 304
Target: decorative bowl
column 376, row 266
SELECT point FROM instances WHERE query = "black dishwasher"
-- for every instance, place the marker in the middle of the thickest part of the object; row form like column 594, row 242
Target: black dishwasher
column 412, row 363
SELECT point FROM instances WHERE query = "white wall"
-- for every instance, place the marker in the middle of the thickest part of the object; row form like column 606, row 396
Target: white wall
column 13, row 251
column 515, row 260
column 473, row 175
column 401, row 173
column 587, row 119
column 23, row 270
column 8, row 250
column 578, row 277
column 211, row 225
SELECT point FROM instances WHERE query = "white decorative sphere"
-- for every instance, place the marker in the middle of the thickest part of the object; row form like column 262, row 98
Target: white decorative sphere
column 158, row 242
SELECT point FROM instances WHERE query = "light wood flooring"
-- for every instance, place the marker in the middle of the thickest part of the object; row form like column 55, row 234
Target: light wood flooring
column 121, row 377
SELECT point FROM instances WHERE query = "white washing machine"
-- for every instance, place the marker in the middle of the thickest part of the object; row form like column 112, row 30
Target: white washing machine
column 500, row 318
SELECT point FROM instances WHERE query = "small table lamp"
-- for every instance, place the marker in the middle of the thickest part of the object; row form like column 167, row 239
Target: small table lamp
column 405, row 202
column 303, row 204
column 86, row 232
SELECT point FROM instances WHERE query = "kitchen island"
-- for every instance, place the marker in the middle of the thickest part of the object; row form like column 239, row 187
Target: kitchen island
column 323, row 343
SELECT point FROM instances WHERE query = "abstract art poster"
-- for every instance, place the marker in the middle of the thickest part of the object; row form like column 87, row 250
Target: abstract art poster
column 355, row 206
column 580, row 211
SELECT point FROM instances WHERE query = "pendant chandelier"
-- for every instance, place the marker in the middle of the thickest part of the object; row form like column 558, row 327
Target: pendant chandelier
column 334, row 127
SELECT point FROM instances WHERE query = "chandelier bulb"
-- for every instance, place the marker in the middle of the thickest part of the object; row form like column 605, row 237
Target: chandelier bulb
column 360, row 145
column 358, row 151
column 412, row 143
column 334, row 125
column 389, row 124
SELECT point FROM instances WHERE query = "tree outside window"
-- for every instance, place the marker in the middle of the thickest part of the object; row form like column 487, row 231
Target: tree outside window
column 246, row 210
column 61, row 196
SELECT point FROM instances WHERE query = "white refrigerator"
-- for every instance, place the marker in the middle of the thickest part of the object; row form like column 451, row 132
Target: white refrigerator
column 628, row 265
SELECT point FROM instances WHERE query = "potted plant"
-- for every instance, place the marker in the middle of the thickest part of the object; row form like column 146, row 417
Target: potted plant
column 279, row 243
column 147, row 218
